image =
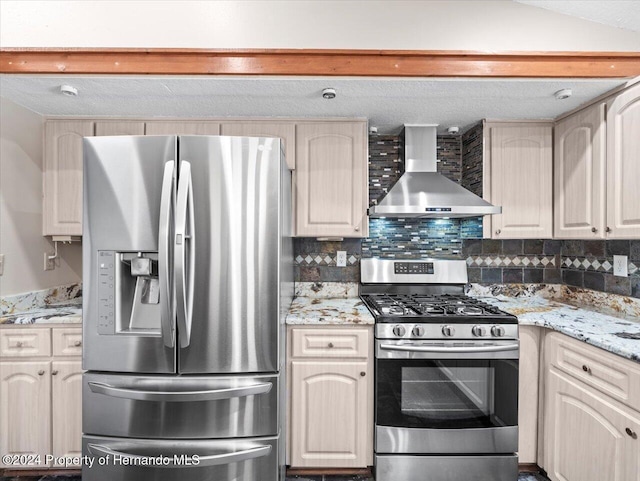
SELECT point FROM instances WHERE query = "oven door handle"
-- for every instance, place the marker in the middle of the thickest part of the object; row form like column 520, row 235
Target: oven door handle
column 412, row 348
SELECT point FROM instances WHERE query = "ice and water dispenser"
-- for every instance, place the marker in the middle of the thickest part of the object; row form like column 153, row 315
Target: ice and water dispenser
column 129, row 293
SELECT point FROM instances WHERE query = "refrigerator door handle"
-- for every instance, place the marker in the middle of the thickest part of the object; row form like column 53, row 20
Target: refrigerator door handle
column 167, row 298
column 202, row 461
column 185, row 249
column 180, row 396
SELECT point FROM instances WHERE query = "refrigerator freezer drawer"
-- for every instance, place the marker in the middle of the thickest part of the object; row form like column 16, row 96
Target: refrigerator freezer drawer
column 180, row 407
column 121, row 459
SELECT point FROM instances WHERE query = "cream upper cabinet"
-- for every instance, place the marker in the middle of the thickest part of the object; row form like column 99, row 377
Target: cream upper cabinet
column 587, row 438
column 623, row 165
column 284, row 130
column 24, row 409
column 330, row 405
column 66, row 398
column 580, row 175
column 331, row 176
column 119, row 127
column 178, row 127
column 62, row 182
column 521, row 172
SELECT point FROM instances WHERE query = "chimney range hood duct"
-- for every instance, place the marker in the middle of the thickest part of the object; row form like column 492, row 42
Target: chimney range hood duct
column 421, row 191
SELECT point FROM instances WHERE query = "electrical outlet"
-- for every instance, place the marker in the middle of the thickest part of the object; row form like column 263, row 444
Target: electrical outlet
column 620, row 266
column 1, row 264
column 341, row 258
column 49, row 264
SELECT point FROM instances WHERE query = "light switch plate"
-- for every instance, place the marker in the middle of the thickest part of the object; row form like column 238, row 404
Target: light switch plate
column 341, row 258
column 1, row 264
column 620, row 266
column 49, row 264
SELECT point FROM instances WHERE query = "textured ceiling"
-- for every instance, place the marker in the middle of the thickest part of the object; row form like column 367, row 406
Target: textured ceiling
column 617, row 13
column 387, row 103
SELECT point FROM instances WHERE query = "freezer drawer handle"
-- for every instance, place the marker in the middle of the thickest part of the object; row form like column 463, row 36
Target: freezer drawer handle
column 203, row 461
column 180, row 396
column 394, row 347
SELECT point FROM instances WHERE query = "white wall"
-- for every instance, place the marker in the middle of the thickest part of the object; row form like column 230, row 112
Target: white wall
column 498, row 25
column 21, row 241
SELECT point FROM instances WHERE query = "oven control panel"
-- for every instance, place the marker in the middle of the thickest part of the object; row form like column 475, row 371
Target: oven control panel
column 413, row 267
column 446, row 331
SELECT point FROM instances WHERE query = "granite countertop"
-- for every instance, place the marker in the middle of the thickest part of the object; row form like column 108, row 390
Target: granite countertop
column 328, row 311
column 65, row 312
column 614, row 334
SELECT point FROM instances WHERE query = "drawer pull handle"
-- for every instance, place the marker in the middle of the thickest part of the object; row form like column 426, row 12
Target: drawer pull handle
column 631, row 433
column 77, row 343
column 363, row 374
column 331, row 344
column 54, row 372
column 608, row 229
column 41, row 372
column 586, row 368
column 19, row 344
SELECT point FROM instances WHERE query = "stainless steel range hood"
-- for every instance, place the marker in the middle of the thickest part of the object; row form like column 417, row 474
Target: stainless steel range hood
column 421, row 191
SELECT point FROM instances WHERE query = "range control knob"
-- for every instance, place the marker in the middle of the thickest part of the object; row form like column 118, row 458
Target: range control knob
column 418, row 331
column 448, row 331
column 399, row 331
column 478, row 331
column 497, row 331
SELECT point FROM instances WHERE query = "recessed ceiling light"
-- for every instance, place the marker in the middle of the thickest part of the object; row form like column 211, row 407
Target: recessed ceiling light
column 68, row 90
column 329, row 94
column 563, row 94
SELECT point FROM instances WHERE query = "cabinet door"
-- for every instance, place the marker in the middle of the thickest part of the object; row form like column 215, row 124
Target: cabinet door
column 586, row 435
column 623, row 167
column 66, row 391
column 580, row 175
column 286, row 131
column 521, row 181
column 62, row 199
column 120, row 127
column 331, row 179
column 25, row 405
column 182, row 128
column 329, row 414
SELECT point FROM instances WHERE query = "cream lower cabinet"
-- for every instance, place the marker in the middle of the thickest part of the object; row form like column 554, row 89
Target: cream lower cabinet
column 330, row 397
column 591, row 413
column 518, row 178
column 331, row 179
column 40, row 393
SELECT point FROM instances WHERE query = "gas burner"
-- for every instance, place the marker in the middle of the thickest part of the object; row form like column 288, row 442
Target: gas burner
column 469, row 310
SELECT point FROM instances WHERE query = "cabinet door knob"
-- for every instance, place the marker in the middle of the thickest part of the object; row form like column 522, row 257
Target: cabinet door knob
column 608, row 229
column 356, row 228
column 498, row 232
column 631, row 433
column 594, row 230
column 41, row 372
column 54, row 372
column 331, row 344
column 586, row 368
column 363, row 374
column 77, row 343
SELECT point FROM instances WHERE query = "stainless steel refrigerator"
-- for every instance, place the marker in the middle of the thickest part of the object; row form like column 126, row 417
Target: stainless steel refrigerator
column 188, row 275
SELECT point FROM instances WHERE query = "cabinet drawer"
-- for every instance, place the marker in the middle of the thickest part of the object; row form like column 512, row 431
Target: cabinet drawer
column 67, row 341
column 604, row 371
column 330, row 343
column 28, row 342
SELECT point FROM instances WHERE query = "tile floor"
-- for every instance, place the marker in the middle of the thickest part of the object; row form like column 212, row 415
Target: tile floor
column 522, row 477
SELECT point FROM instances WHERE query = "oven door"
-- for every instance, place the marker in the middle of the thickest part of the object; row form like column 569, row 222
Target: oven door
column 447, row 397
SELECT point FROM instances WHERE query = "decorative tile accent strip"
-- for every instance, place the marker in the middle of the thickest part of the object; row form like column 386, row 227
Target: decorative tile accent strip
column 591, row 264
column 29, row 301
column 507, row 261
column 320, row 259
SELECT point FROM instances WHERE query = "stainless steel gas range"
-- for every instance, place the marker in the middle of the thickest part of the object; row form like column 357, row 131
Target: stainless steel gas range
column 446, row 375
